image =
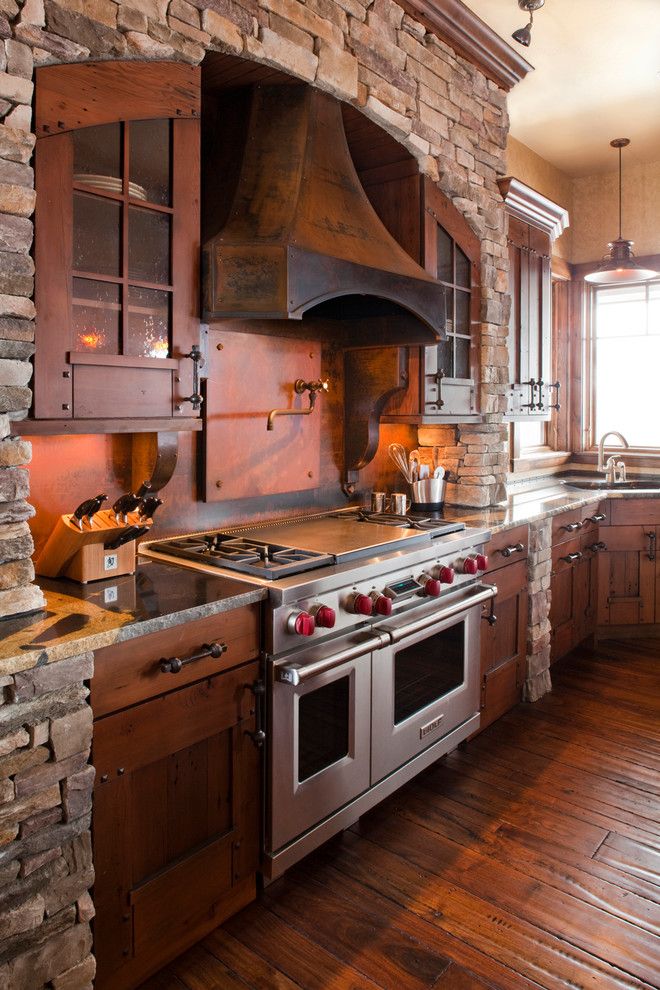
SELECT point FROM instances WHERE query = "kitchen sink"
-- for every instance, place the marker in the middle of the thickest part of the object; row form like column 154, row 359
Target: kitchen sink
column 647, row 485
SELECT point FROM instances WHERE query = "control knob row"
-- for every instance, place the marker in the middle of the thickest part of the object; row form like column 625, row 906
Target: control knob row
column 304, row 623
column 474, row 563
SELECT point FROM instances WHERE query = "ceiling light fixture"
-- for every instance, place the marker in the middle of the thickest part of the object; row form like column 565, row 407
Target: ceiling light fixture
column 619, row 265
column 524, row 34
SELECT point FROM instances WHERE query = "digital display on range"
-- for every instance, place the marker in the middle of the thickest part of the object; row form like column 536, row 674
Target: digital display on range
column 402, row 589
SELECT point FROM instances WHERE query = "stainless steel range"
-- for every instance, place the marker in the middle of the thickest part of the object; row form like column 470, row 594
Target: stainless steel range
column 372, row 657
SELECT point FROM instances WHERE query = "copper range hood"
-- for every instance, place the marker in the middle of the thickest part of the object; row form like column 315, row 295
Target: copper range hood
column 302, row 239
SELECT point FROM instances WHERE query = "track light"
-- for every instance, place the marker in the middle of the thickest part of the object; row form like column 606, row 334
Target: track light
column 524, row 34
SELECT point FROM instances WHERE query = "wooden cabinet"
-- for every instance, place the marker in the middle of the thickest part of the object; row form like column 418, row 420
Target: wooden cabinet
column 577, row 543
column 177, row 795
column 629, row 573
column 442, row 378
column 116, row 247
column 503, row 644
column 533, row 223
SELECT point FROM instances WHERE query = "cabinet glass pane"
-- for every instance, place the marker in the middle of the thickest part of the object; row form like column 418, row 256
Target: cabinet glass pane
column 147, row 332
column 450, row 325
column 462, row 312
column 150, row 160
column 462, row 269
column 95, row 314
column 323, row 727
column 445, row 263
column 446, row 357
column 148, row 246
column 462, row 365
column 96, row 229
column 97, row 156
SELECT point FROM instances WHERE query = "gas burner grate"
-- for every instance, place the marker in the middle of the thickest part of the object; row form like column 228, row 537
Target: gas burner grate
column 238, row 553
column 439, row 526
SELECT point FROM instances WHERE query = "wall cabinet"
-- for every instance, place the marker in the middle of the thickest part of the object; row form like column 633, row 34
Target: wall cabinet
column 533, row 223
column 442, row 379
column 116, row 247
column 577, row 544
column 177, row 795
column 629, row 573
column 504, row 643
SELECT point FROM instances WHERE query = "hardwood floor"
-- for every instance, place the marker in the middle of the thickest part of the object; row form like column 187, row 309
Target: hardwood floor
column 529, row 858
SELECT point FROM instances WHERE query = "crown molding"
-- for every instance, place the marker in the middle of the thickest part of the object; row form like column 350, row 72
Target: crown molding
column 531, row 206
column 470, row 37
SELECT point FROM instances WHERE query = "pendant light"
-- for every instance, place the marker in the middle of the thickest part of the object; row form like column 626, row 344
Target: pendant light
column 524, row 34
column 619, row 266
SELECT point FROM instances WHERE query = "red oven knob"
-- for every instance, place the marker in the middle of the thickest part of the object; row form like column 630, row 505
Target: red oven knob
column 432, row 586
column 446, row 575
column 470, row 565
column 361, row 605
column 301, row 623
column 382, row 604
column 482, row 562
column 325, row 617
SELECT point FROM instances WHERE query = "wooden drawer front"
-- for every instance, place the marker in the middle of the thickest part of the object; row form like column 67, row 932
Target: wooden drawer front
column 631, row 511
column 509, row 540
column 127, row 673
column 585, row 520
column 130, row 739
column 510, row 580
column 112, row 393
column 561, row 554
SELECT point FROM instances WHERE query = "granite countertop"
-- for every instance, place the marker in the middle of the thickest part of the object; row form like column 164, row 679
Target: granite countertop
column 79, row 618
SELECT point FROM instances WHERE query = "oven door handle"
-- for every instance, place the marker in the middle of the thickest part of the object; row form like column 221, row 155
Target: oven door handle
column 482, row 593
column 294, row 673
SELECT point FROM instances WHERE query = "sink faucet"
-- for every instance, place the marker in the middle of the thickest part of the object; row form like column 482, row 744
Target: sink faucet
column 612, row 465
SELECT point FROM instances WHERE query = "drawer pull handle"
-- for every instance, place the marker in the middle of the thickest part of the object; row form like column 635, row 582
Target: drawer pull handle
column 507, row 551
column 597, row 547
column 572, row 558
column 173, row 665
column 597, row 518
column 571, row 527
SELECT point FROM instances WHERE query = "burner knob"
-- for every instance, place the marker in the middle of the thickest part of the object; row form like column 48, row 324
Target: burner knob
column 361, row 604
column 301, row 623
column 382, row 604
column 482, row 562
column 470, row 565
column 446, row 575
column 432, row 586
column 325, row 617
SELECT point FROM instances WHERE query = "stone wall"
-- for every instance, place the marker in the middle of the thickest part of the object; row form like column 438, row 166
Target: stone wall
column 367, row 52
column 539, row 567
column 45, row 843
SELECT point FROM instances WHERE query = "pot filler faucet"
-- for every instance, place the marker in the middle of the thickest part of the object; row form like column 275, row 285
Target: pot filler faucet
column 614, row 470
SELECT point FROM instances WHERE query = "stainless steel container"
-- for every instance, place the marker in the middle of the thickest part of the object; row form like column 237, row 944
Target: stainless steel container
column 430, row 491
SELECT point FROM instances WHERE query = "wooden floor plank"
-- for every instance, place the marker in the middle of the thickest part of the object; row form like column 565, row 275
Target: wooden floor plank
column 527, row 860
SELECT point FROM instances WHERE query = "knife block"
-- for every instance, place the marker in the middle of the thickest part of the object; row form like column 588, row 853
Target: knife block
column 82, row 555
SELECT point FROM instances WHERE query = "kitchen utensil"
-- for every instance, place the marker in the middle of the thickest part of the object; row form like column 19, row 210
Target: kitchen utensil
column 436, row 457
column 439, row 471
column 415, row 460
column 430, row 491
column 399, row 455
column 399, row 503
column 88, row 509
column 128, row 502
column 424, row 472
column 148, row 507
column 378, row 501
column 132, row 533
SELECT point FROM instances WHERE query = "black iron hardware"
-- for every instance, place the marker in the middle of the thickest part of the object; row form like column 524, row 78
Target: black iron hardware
column 651, row 539
column 197, row 359
column 555, row 405
column 539, row 405
column 439, row 376
column 597, row 518
column 597, row 547
column 173, row 665
column 517, row 548
column 491, row 618
column 571, row 527
column 532, row 394
column 572, row 558
column 258, row 737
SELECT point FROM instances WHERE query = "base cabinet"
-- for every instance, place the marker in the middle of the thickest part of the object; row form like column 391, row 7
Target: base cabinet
column 577, row 544
column 504, row 642
column 176, row 820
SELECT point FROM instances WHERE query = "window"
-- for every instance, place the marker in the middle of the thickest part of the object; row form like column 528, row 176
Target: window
column 626, row 359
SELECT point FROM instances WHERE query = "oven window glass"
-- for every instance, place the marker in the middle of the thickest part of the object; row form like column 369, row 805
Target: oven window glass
column 323, row 724
column 427, row 671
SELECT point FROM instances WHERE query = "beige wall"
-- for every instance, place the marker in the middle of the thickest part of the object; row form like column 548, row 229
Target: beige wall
column 525, row 165
column 592, row 202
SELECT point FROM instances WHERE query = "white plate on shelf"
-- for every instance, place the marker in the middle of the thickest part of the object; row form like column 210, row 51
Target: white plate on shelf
column 109, row 183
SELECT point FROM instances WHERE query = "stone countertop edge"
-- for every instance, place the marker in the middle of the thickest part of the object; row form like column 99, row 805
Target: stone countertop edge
column 25, row 659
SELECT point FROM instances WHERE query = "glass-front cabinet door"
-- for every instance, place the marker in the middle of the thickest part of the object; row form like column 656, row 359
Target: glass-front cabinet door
column 117, row 240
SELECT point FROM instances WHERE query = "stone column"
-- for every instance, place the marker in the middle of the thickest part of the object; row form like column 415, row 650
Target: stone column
column 539, row 567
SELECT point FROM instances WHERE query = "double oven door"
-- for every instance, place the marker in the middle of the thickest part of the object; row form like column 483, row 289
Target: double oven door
column 347, row 714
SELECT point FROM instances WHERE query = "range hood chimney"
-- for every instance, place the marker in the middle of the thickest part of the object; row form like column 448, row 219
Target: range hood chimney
column 303, row 239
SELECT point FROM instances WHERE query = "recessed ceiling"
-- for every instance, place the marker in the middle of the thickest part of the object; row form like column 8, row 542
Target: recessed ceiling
column 597, row 77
